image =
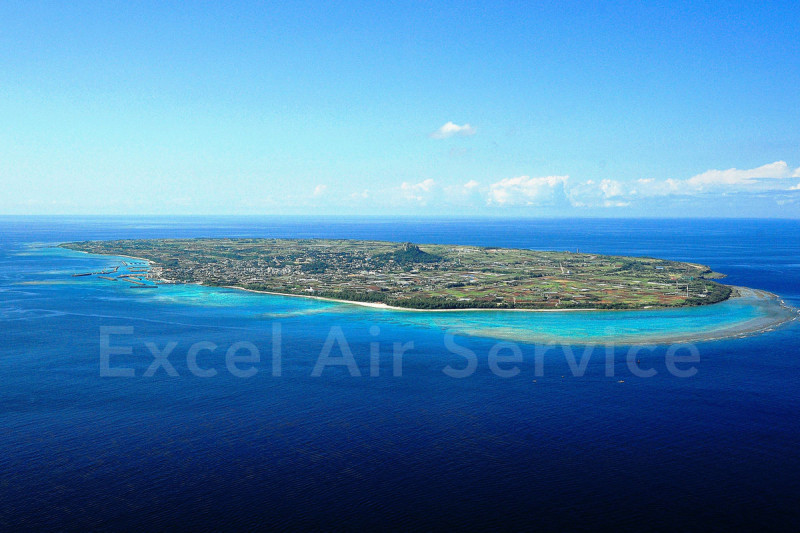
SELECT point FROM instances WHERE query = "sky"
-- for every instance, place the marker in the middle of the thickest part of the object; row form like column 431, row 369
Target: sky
column 401, row 108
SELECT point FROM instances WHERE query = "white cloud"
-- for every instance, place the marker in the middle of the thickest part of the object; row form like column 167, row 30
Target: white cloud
column 525, row 190
column 611, row 188
column 774, row 177
column 319, row 190
column 742, row 177
column 768, row 181
column 418, row 192
column 450, row 129
column 606, row 193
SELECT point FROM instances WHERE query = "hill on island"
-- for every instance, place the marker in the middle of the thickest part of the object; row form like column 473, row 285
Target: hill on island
column 424, row 276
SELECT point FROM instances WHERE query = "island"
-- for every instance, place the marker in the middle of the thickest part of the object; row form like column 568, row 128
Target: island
column 412, row 276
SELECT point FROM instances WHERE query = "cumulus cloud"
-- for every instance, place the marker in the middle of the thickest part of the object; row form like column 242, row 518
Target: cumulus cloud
column 612, row 188
column 711, row 179
column 773, row 182
column 450, row 129
column 771, row 178
column 417, row 192
column 526, row 190
column 319, row 190
column 605, row 193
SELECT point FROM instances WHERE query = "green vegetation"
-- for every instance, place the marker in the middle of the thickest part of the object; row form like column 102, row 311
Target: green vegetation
column 424, row 276
column 407, row 255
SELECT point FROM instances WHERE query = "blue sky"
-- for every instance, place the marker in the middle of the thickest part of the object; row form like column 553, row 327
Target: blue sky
column 445, row 108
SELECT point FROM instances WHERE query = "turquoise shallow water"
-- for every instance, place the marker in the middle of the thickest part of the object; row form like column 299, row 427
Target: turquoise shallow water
column 737, row 316
column 750, row 313
column 731, row 318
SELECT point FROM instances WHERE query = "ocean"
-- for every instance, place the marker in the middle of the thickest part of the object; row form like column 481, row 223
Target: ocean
column 247, row 410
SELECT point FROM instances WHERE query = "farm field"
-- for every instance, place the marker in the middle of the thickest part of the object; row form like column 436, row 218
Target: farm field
column 423, row 276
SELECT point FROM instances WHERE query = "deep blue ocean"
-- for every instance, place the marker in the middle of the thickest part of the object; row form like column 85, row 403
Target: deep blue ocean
column 545, row 448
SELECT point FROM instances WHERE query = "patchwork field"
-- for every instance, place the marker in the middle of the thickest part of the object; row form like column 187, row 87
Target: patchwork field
column 423, row 276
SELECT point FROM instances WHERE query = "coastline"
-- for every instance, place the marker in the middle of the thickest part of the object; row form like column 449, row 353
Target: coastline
column 768, row 322
column 746, row 329
column 736, row 293
column 605, row 284
column 104, row 255
column 379, row 305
